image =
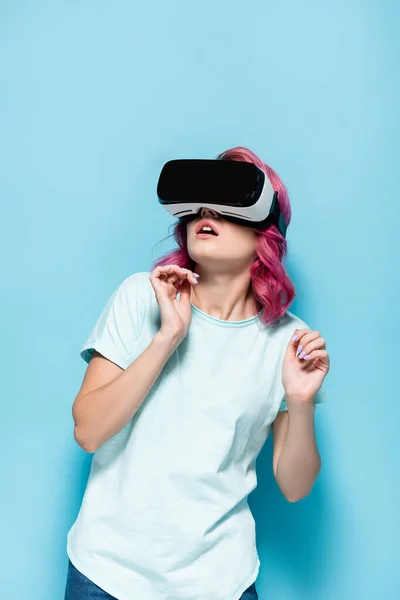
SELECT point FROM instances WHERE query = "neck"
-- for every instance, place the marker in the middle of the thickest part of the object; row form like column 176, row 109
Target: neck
column 225, row 296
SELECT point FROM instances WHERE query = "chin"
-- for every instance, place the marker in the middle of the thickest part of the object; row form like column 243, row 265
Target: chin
column 207, row 258
column 197, row 250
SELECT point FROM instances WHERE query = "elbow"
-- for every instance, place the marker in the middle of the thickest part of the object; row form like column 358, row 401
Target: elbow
column 293, row 499
column 82, row 436
column 297, row 497
column 84, row 441
column 306, row 490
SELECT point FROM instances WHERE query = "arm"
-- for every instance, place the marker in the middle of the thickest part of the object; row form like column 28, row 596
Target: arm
column 109, row 396
column 296, row 460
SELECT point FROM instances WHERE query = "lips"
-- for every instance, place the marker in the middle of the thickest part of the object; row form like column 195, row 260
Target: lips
column 206, row 223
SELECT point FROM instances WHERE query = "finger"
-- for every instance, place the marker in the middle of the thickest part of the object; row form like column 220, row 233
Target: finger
column 320, row 354
column 298, row 334
column 185, row 292
column 185, row 274
column 308, row 336
column 318, row 344
column 191, row 276
column 156, row 273
column 167, row 272
column 295, row 340
column 164, row 270
column 165, row 275
column 158, row 279
column 175, row 273
column 155, row 278
column 169, row 278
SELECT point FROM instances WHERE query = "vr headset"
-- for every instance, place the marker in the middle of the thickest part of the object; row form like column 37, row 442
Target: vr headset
column 239, row 191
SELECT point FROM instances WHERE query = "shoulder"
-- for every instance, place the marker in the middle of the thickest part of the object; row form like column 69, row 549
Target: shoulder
column 139, row 281
column 285, row 326
column 136, row 290
column 292, row 321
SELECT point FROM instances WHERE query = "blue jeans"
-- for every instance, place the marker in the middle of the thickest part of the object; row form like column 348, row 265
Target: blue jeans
column 80, row 587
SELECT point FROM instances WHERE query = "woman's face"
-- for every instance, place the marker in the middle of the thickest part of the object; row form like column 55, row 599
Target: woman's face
column 227, row 246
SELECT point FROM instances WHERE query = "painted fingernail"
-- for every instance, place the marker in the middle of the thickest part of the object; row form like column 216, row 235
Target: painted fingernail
column 302, row 355
column 196, row 274
column 307, row 356
column 294, row 338
column 185, row 270
column 299, row 349
column 195, row 282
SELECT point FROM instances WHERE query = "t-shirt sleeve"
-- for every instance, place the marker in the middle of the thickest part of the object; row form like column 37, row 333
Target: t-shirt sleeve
column 118, row 326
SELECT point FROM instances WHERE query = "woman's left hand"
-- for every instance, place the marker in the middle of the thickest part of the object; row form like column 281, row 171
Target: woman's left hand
column 305, row 366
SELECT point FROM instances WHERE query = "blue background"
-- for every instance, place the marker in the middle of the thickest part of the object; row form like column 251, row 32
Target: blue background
column 95, row 97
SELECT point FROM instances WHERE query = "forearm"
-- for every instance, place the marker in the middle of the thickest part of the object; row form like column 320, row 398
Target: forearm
column 102, row 413
column 299, row 463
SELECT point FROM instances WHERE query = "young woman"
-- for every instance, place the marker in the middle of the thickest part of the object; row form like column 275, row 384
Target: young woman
column 189, row 368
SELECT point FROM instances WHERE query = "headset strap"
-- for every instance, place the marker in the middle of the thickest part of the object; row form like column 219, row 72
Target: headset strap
column 276, row 214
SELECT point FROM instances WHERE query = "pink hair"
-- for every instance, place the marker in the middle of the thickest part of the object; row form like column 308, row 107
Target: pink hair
column 272, row 289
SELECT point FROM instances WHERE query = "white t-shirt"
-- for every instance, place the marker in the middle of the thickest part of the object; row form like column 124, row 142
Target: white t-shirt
column 165, row 513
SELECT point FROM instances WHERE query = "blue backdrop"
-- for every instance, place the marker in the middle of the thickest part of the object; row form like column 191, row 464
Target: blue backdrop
column 95, row 97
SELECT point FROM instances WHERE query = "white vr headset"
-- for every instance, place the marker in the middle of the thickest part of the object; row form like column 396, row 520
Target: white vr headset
column 239, row 191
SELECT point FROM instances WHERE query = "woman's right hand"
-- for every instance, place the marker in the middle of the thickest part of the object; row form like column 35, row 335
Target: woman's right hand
column 176, row 314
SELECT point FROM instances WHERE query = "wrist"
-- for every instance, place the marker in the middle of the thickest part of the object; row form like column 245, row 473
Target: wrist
column 168, row 339
column 300, row 403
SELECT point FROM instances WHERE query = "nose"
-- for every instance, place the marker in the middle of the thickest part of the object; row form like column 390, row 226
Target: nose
column 208, row 212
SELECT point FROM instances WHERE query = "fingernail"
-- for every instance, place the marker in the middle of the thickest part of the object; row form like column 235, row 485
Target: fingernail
column 196, row 274
column 299, row 349
column 195, row 282
column 294, row 338
column 185, row 270
column 307, row 357
column 302, row 355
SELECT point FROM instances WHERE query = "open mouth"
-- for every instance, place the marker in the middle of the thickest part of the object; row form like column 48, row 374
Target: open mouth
column 206, row 229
